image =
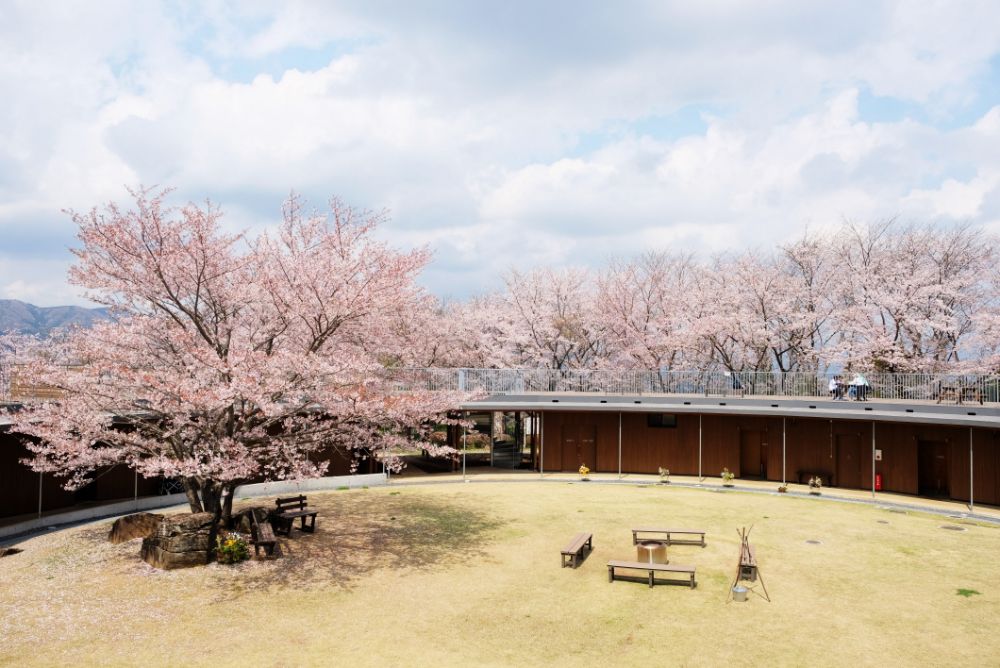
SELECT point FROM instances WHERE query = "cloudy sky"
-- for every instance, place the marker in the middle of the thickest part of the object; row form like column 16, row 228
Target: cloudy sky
column 501, row 134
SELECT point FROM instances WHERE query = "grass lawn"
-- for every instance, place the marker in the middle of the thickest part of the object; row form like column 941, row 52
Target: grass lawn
column 453, row 574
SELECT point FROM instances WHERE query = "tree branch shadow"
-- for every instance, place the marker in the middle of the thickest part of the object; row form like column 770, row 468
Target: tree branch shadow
column 355, row 537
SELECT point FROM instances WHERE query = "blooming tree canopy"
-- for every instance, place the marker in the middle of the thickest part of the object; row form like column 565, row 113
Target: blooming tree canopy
column 231, row 359
column 881, row 297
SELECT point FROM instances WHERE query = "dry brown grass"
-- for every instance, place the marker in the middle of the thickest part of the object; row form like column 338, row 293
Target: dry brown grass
column 469, row 575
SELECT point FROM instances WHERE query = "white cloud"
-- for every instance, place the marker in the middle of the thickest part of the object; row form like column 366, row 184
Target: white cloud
column 468, row 122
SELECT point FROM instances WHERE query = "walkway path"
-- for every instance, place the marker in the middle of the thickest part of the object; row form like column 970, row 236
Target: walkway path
column 887, row 500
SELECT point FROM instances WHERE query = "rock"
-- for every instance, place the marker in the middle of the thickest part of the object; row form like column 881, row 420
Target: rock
column 241, row 520
column 138, row 525
column 158, row 558
column 180, row 541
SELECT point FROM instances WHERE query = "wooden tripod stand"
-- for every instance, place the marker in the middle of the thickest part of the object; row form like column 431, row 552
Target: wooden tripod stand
column 747, row 569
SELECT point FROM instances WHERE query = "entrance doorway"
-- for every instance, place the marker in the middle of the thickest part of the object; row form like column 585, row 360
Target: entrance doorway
column 932, row 468
column 578, row 446
column 753, row 462
column 849, row 460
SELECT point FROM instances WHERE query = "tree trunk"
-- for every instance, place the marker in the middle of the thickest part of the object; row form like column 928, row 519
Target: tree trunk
column 191, row 488
column 213, row 533
column 227, row 507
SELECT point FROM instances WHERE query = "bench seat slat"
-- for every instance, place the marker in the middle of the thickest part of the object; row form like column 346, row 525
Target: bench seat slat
column 577, row 542
column 651, row 569
column 645, row 566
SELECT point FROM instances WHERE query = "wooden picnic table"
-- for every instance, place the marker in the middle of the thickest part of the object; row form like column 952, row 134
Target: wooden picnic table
column 959, row 394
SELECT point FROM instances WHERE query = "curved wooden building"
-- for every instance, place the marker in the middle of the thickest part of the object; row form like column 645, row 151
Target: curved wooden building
column 927, row 449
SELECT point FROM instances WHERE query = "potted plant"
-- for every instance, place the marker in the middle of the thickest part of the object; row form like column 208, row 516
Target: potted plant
column 815, row 485
column 584, row 472
column 727, row 477
column 664, row 475
column 231, row 548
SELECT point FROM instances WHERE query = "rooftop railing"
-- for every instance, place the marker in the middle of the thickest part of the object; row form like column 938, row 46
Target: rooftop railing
column 886, row 386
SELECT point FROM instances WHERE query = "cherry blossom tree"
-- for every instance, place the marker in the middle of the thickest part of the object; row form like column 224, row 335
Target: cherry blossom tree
column 642, row 307
column 550, row 314
column 482, row 329
column 910, row 294
column 803, row 321
column 730, row 310
column 231, row 359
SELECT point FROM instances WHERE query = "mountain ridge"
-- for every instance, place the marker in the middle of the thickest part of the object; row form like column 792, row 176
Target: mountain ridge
column 25, row 318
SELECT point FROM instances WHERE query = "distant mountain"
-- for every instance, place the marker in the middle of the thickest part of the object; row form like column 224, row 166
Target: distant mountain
column 40, row 320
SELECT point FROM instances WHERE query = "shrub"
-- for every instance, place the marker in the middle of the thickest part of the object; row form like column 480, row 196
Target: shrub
column 727, row 476
column 231, row 548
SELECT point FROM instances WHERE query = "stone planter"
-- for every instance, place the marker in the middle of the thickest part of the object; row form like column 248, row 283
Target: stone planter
column 180, row 541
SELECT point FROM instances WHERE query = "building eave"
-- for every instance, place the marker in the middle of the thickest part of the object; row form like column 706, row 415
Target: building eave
column 900, row 412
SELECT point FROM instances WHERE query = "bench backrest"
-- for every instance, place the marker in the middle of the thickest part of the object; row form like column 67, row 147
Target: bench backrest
column 292, row 503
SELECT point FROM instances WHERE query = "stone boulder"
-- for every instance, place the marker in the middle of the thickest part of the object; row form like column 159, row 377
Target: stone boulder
column 180, row 541
column 242, row 521
column 138, row 525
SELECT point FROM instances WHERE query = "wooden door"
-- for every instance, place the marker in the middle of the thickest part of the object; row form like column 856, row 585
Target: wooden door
column 579, row 446
column 932, row 468
column 588, row 446
column 569, row 447
column 848, row 460
column 750, row 453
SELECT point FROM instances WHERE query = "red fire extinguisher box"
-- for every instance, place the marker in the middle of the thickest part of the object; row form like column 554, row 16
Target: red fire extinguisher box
column 878, row 482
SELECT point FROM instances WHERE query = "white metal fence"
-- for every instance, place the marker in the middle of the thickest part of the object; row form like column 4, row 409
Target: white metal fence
column 892, row 386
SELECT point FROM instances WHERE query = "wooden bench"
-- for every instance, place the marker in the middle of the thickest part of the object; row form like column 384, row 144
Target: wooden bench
column 263, row 537
column 574, row 551
column 653, row 569
column 665, row 535
column 291, row 508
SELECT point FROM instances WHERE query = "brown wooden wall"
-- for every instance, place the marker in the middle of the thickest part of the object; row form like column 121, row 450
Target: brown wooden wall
column 839, row 451
column 19, row 484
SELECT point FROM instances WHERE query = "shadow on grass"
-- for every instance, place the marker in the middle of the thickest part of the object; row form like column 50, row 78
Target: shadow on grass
column 358, row 533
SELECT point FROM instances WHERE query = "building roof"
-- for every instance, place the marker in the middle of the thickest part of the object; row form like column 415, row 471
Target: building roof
column 967, row 415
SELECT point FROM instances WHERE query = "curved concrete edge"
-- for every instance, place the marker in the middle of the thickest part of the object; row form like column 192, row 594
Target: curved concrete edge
column 58, row 520
column 882, row 504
